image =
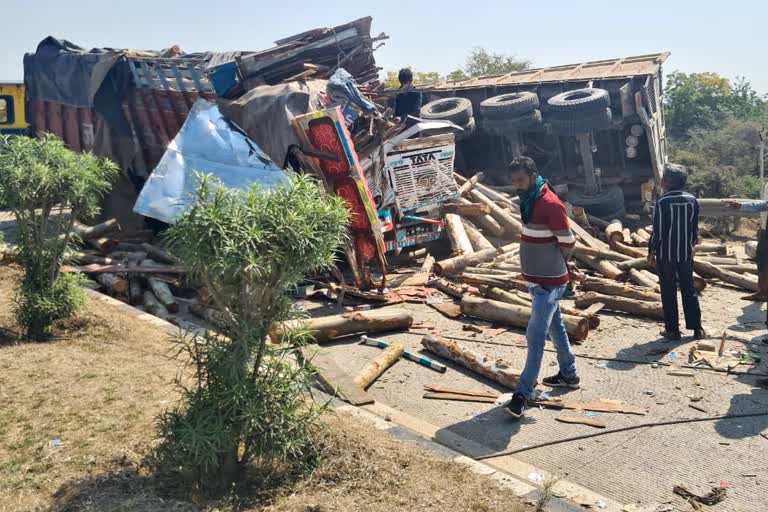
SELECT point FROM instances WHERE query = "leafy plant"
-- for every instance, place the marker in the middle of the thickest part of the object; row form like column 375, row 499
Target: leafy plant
column 244, row 403
column 47, row 187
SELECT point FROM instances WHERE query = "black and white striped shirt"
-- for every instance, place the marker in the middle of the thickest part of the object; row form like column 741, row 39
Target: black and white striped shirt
column 675, row 226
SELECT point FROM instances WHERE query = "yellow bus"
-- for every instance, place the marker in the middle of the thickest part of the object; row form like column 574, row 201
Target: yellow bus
column 13, row 112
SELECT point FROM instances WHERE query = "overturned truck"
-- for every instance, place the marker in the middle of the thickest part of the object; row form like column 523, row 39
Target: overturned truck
column 597, row 127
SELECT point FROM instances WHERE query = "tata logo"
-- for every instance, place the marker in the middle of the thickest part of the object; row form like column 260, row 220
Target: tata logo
column 421, row 158
column 426, row 182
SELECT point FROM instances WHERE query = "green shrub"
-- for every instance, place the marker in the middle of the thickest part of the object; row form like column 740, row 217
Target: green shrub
column 244, row 403
column 47, row 187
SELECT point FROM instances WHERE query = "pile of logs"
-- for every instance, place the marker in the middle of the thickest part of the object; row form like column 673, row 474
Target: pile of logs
column 483, row 271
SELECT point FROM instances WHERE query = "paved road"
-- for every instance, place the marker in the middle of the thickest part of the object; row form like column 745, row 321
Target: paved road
column 639, row 466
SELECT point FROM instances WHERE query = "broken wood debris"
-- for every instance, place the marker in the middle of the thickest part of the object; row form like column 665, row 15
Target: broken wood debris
column 411, row 356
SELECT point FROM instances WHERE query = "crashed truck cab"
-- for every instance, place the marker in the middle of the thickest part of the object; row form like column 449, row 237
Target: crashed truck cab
column 595, row 127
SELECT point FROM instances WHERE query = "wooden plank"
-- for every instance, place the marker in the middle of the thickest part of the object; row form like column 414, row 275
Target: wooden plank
column 460, row 398
column 467, row 392
column 581, row 421
column 449, row 309
column 335, row 380
column 599, row 406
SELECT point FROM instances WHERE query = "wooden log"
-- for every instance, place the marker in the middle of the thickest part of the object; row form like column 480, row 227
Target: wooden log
column 160, row 254
column 467, row 184
column 210, row 315
column 500, row 295
column 512, row 226
column 603, row 254
column 518, row 316
column 466, row 209
column 487, row 271
column 153, row 306
column 449, row 288
column 744, row 268
column 113, row 283
column 129, row 257
column 458, row 263
column 489, row 224
column 597, row 221
column 415, row 254
column 503, row 282
column 641, row 279
column 457, row 235
column 135, row 292
column 87, row 259
column 602, row 267
column 633, row 252
column 163, row 294
column 638, row 241
column 642, row 233
column 626, row 236
column 579, row 215
column 717, row 260
column 623, row 290
column 508, row 267
column 103, row 245
column 586, row 238
column 635, row 263
column 746, row 282
column 613, row 232
column 129, row 247
column 719, row 249
column 622, row 304
column 428, row 265
column 330, row 327
column 497, row 370
column 379, row 365
column 97, row 231
column 476, row 238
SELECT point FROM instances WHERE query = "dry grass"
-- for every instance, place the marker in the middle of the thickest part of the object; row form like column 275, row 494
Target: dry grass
column 97, row 388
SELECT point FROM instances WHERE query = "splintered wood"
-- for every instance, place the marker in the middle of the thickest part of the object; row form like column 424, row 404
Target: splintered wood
column 497, row 370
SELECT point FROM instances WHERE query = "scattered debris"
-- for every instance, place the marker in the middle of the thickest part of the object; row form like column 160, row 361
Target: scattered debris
column 499, row 370
column 580, row 420
column 417, row 358
column 713, row 497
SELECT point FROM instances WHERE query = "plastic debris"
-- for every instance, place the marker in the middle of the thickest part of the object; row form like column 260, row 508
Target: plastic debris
column 54, row 442
column 535, row 477
column 600, row 504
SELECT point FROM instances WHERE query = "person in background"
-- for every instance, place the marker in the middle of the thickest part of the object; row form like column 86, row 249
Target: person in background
column 761, row 257
column 546, row 245
column 675, row 232
column 407, row 101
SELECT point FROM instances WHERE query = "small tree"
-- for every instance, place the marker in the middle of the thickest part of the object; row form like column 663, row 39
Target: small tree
column 245, row 403
column 40, row 178
column 482, row 62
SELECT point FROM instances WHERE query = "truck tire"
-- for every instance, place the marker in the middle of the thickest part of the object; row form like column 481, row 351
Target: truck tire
column 580, row 100
column 526, row 122
column 575, row 123
column 607, row 204
column 455, row 110
column 509, row 105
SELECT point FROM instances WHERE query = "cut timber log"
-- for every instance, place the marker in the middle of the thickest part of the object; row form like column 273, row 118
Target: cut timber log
column 153, row 306
column 613, row 233
column 428, row 265
column 621, row 304
column 622, row 290
column 87, row 259
column 641, row 279
column 210, row 315
column 627, row 236
column 160, row 254
column 466, row 210
column 458, row 237
column 638, row 240
column 113, row 283
column 717, row 260
column 518, row 316
column 719, row 249
column 512, row 226
column 486, row 271
column 600, row 253
column 163, row 294
column 478, row 241
column 103, row 245
column 135, row 292
column 500, row 295
column 449, row 288
column 503, row 282
column 586, row 238
column 99, row 230
column 636, row 263
column 597, row 221
column 329, row 327
column 489, row 224
column 747, row 282
column 458, row 263
column 379, row 365
column 744, row 268
column 468, row 184
column 634, row 252
column 579, row 215
column 644, row 235
column 497, row 370
column 602, row 267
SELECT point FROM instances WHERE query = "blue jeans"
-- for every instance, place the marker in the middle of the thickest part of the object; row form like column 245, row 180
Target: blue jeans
column 545, row 318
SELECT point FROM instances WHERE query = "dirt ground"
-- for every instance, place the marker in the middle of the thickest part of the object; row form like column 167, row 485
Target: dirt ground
column 77, row 418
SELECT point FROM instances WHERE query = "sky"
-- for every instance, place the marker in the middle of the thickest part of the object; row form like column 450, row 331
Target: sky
column 725, row 37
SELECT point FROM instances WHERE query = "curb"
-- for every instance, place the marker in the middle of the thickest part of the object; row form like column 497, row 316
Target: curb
column 507, row 471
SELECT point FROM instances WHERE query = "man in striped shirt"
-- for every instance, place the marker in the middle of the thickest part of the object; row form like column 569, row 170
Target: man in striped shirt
column 545, row 248
column 675, row 232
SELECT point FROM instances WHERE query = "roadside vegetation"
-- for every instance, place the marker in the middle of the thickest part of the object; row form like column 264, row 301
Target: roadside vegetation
column 47, row 187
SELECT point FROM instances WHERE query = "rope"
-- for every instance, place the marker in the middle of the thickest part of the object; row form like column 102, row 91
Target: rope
column 622, row 429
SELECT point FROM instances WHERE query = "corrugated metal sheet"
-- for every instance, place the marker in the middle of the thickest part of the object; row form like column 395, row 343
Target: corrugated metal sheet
column 639, row 65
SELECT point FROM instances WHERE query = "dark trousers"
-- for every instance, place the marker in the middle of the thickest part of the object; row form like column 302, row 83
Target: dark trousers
column 671, row 274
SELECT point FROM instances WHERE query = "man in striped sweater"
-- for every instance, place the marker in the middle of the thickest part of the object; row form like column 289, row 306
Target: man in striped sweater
column 675, row 232
column 545, row 248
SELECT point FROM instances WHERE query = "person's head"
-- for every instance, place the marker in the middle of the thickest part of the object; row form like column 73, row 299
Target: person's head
column 674, row 178
column 405, row 76
column 522, row 173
